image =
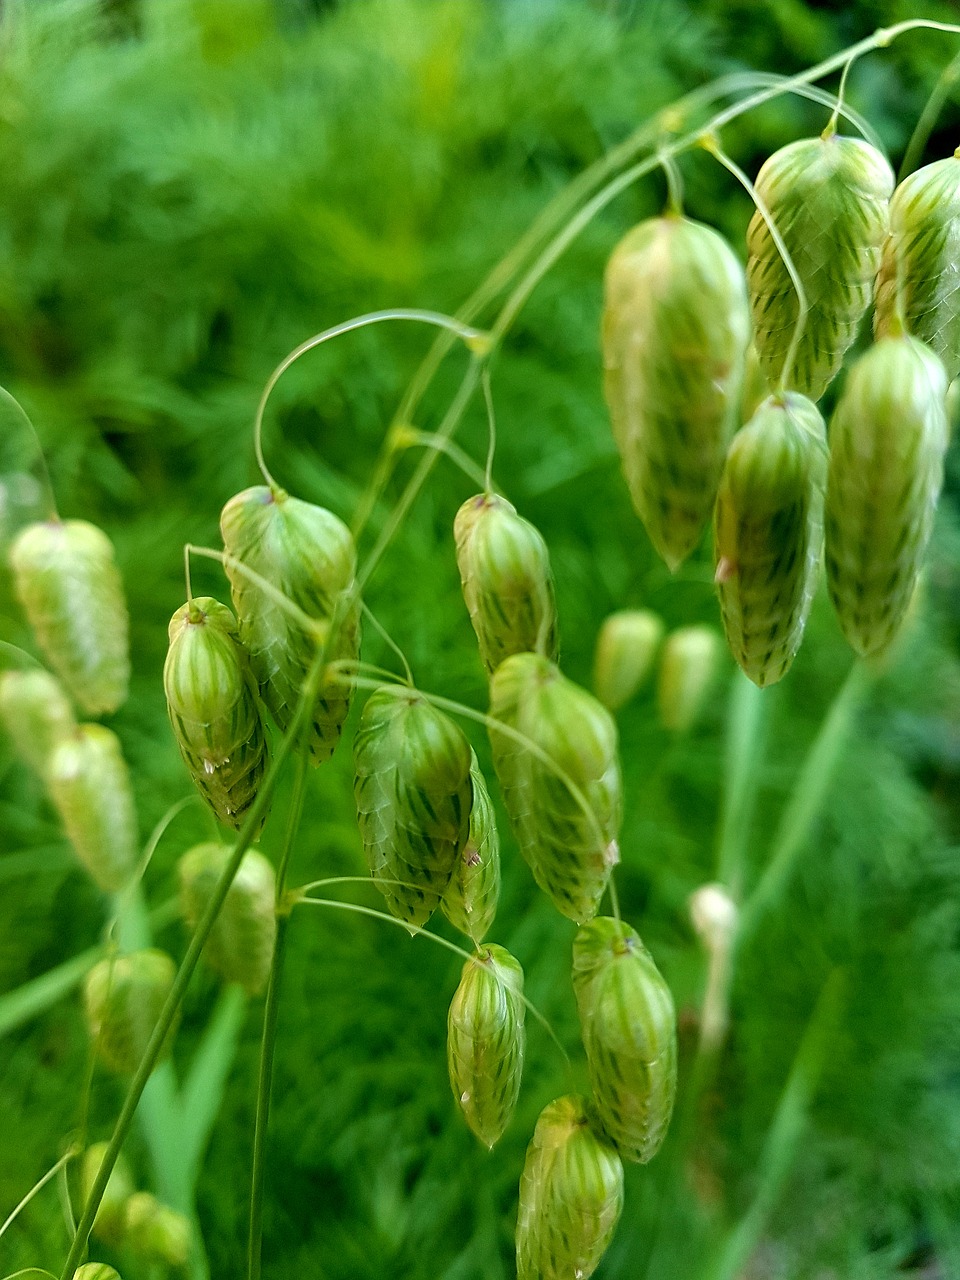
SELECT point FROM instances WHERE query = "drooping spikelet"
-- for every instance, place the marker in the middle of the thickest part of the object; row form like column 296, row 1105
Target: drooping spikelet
column 36, row 713
column 828, row 198
column 626, row 648
column 414, row 795
column 919, row 280
column 571, row 1195
column 89, row 783
column 213, row 708
column 470, row 900
column 157, row 1232
column 72, row 594
column 569, row 840
column 630, row 1034
column 769, row 534
column 888, row 437
column 308, row 555
column 688, row 668
column 240, row 945
column 485, row 1041
column 111, row 1220
column 123, row 996
column 675, row 329
column 507, row 583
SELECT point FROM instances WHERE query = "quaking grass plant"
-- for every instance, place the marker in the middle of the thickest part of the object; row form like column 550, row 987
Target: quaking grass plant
column 675, row 339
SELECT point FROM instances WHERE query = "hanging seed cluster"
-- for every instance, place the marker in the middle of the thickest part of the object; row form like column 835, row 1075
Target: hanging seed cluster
column 132, row 1220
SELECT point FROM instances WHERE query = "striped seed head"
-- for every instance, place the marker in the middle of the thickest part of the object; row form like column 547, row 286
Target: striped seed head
column 123, row 996
column 768, row 534
column 156, row 1232
column 213, row 708
column 571, row 1195
column 37, row 715
column 471, row 897
column 629, row 1031
column 308, row 555
column 71, row 591
column 888, row 437
column 240, row 945
column 626, row 650
column 414, row 795
column 485, row 1041
column 89, row 784
column 507, row 583
column 688, row 668
column 675, row 330
column 828, row 198
column 95, row 1271
column 110, row 1222
column 568, row 835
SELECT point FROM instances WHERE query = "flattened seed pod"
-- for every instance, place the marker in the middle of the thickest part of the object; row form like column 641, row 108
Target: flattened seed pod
column 72, row 594
column 828, row 197
column 920, row 267
column 89, row 783
column 888, row 437
column 769, row 534
column 157, row 1232
column 626, row 648
column 414, row 796
column 240, row 945
column 675, row 330
column 507, row 583
column 569, row 848
column 571, row 1195
column 629, row 1030
column 485, row 1041
column 36, row 714
column 470, row 901
column 110, row 1222
column 308, row 554
column 123, row 996
column 213, row 708
column 688, row 668
column 95, row 1271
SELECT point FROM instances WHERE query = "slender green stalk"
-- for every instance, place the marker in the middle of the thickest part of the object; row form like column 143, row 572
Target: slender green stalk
column 746, row 726
column 38, row 1186
column 928, row 117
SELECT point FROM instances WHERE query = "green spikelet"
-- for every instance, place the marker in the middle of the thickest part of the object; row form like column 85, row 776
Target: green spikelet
column 507, row 583
column 36, row 714
column 485, row 1041
column 630, row 1035
column 571, row 1195
column 626, row 649
column 240, row 945
column 95, row 1271
column 688, row 668
column 123, row 996
column 569, row 850
column 470, row 901
column 888, row 436
column 829, row 198
column 156, row 1232
column 71, row 592
column 308, row 554
column 675, row 329
column 111, row 1220
column 769, row 534
column 414, row 797
column 89, row 784
column 213, row 708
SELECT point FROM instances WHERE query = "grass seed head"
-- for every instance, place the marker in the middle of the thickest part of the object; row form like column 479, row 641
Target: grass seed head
column 95, row 1271
column 156, row 1232
column 123, row 996
column 625, row 653
column 688, row 668
column 37, row 715
column 111, row 1220
column 471, row 898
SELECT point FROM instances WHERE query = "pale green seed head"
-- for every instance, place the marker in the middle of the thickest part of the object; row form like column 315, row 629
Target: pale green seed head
column 123, row 996
column 689, row 667
column 37, row 715
column 110, row 1222
column 626, row 650
column 156, row 1232
column 95, row 1271
column 471, row 898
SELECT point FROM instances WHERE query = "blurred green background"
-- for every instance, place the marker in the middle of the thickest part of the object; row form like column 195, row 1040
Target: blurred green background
column 189, row 189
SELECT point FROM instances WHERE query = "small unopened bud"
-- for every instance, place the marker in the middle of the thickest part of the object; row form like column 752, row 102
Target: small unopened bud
column 713, row 914
column 95, row 1271
column 626, row 649
column 691, row 656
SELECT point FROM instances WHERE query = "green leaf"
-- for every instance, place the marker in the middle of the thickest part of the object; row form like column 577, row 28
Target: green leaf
column 39, row 994
column 204, row 1086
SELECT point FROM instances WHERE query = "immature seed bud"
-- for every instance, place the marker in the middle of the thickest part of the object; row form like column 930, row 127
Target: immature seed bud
column 917, row 283
column 626, row 648
column 123, row 996
column 888, row 437
column 36, row 714
column 630, row 1034
column 675, row 329
column 470, row 900
column 768, row 534
column 414, row 796
column 213, row 708
column 568, row 836
column 485, row 1041
column 95, row 1271
column 111, row 1220
column 688, row 668
column 240, row 945
column 156, row 1232
column 571, row 1195
column 308, row 555
column 828, row 198
column 507, row 583
column 713, row 914
column 71, row 591
column 89, row 784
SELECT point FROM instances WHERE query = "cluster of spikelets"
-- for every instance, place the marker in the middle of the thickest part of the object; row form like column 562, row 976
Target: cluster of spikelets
column 681, row 375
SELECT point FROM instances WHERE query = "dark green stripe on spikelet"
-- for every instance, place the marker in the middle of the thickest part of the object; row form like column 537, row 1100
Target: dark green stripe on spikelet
column 123, row 997
column 308, row 555
column 629, row 1028
column 829, row 200
column 570, row 849
column 571, row 1195
column 470, row 901
column 768, row 534
column 414, row 796
column 36, row 714
column 213, row 708
column 888, row 437
column 675, row 331
column 485, row 1041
